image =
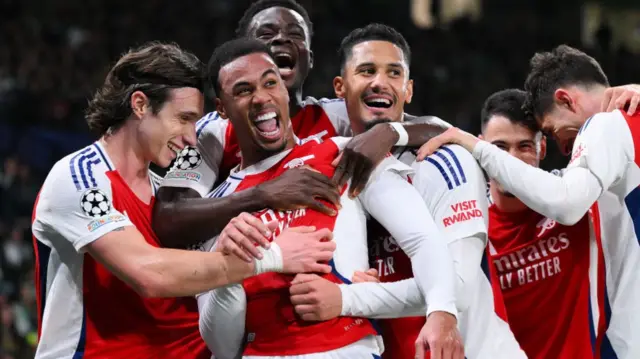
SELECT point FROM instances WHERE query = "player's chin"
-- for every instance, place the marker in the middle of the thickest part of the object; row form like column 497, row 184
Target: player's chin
column 164, row 158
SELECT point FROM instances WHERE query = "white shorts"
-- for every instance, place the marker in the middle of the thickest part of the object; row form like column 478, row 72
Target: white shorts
column 365, row 348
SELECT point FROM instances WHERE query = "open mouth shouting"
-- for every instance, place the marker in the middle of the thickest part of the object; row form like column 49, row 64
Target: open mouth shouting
column 378, row 103
column 267, row 124
column 286, row 61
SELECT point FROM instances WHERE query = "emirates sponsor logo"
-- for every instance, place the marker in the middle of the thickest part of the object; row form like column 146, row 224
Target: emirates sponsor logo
column 532, row 263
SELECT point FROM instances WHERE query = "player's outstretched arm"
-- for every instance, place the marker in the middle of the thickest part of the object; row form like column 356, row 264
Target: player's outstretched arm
column 597, row 162
column 180, row 211
column 162, row 272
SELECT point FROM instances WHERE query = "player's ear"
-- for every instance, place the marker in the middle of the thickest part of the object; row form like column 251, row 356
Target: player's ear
column 563, row 99
column 481, row 137
column 139, row 103
column 310, row 59
column 409, row 92
column 338, row 86
column 220, row 109
column 542, row 152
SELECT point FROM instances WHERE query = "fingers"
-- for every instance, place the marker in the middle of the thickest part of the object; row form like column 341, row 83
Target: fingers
column 322, row 208
column 306, row 312
column 337, row 160
column 607, row 105
column 320, row 268
column 302, row 229
column 256, row 230
column 232, row 241
column 325, row 235
column 345, row 168
column 230, row 247
column 360, row 178
column 372, row 272
column 420, row 350
column 633, row 104
column 303, row 278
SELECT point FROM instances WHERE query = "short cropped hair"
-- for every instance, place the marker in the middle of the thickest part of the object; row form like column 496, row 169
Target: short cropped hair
column 372, row 32
column 154, row 68
column 508, row 103
column 563, row 66
column 258, row 6
column 228, row 52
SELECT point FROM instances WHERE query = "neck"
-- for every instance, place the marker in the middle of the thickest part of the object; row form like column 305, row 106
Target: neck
column 295, row 101
column 124, row 150
column 505, row 203
column 594, row 99
column 358, row 127
column 255, row 155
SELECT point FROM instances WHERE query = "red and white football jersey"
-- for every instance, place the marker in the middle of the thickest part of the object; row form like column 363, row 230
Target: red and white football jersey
column 542, row 271
column 272, row 327
column 604, row 176
column 84, row 310
column 217, row 151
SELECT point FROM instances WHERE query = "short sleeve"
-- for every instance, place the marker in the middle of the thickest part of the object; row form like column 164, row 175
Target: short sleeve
column 604, row 146
column 336, row 111
column 454, row 188
column 197, row 168
column 78, row 215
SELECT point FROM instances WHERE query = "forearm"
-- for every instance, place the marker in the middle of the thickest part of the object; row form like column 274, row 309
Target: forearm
column 179, row 273
column 382, row 300
column 200, row 218
column 565, row 199
column 467, row 257
column 222, row 320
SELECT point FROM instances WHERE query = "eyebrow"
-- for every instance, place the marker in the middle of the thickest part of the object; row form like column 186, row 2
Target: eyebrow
column 394, row 65
column 189, row 115
column 246, row 83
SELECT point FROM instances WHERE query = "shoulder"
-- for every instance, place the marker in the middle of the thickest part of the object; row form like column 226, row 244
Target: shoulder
column 334, row 108
column 211, row 124
column 76, row 177
column 431, row 120
column 451, row 164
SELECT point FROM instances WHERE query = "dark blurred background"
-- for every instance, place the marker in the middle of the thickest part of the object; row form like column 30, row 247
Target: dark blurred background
column 53, row 54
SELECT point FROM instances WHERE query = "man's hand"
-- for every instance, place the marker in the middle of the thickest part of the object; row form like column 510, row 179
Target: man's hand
column 306, row 250
column 370, row 275
column 620, row 97
column 441, row 336
column 300, row 188
column 241, row 235
column 315, row 298
column 361, row 155
column 453, row 135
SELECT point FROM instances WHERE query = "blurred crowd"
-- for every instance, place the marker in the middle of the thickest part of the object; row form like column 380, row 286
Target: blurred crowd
column 53, row 54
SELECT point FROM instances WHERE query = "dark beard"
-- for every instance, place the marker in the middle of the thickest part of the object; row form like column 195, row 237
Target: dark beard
column 369, row 125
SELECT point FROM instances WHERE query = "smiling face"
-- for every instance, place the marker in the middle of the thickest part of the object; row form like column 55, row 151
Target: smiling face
column 287, row 35
column 253, row 97
column 172, row 128
column 517, row 139
column 374, row 83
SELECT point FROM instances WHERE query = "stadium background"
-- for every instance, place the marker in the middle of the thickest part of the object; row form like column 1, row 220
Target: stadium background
column 53, row 54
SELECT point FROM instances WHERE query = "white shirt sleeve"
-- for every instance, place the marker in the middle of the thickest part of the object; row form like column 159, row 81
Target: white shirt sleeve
column 71, row 211
column 402, row 298
column 397, row 206
column 336, row 111
column 222, row 320
column 601, row 153
column 198, row 168
column 453, row 186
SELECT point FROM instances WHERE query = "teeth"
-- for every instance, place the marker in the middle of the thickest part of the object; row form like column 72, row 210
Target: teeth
column 282, row 54
column 380, row 100
column 173, row 148
column 266, row 116
column 272, row 133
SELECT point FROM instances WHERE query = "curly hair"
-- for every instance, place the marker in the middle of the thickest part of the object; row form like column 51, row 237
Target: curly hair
column 154, row 68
